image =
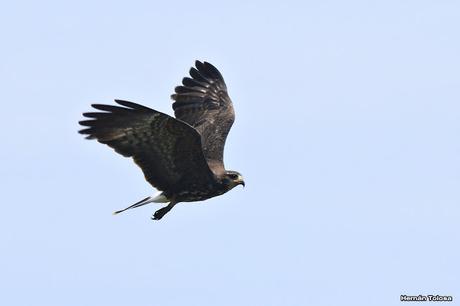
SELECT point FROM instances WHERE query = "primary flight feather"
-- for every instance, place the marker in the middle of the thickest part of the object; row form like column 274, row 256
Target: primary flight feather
column 183, row 156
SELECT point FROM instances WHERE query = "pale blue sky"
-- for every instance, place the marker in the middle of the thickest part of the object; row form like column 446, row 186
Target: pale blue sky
column 347, row 133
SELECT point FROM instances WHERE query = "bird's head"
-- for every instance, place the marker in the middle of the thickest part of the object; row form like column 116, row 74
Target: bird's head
column 232, row 179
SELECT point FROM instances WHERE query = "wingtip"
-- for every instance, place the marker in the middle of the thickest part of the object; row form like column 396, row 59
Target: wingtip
column 86, row 122
column 84, row 131
column 199, row 65
column 87, row 132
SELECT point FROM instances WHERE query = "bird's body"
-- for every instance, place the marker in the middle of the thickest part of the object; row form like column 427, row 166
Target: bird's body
column 182, row 156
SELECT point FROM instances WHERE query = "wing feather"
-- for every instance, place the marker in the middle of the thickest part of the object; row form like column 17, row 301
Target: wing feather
column 167, row 150
column 203, row 102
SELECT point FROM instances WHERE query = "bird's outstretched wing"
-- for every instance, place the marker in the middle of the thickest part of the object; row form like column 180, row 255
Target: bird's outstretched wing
column 203, row 102
column 167, row 150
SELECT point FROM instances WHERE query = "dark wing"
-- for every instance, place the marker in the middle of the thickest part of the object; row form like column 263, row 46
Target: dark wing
column 203, row 102
column 167, row 150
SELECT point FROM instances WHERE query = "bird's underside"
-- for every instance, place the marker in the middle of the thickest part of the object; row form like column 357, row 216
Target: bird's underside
column 182, row 156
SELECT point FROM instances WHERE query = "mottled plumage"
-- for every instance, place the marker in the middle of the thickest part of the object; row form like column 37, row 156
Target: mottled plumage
column 182, row 156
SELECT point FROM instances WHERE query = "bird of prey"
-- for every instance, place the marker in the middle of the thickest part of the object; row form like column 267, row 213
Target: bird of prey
column 183, row 156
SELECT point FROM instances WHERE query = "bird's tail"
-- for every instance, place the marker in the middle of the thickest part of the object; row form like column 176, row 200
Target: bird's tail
column 160, row 198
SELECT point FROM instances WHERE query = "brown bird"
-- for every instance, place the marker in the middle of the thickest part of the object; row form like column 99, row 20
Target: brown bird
column 183, row 156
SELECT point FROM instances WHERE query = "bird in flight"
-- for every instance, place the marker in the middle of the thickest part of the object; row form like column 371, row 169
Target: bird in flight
column 183, row 156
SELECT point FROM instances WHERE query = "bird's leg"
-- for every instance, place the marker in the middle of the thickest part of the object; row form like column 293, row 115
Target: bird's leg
column 163, row 211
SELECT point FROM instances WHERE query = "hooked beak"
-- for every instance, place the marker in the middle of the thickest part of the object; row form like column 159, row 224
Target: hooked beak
column 241, row 181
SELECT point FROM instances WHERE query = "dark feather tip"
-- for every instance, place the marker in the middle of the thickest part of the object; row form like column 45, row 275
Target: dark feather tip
column 212, row 70
column 195, row 74
column 132, row 105
column 85, row 131
column 87, row 122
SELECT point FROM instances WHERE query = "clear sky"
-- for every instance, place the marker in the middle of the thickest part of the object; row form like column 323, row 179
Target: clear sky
column 347, row 133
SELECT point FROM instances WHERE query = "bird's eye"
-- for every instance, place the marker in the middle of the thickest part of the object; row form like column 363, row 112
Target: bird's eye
column 233, row 176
